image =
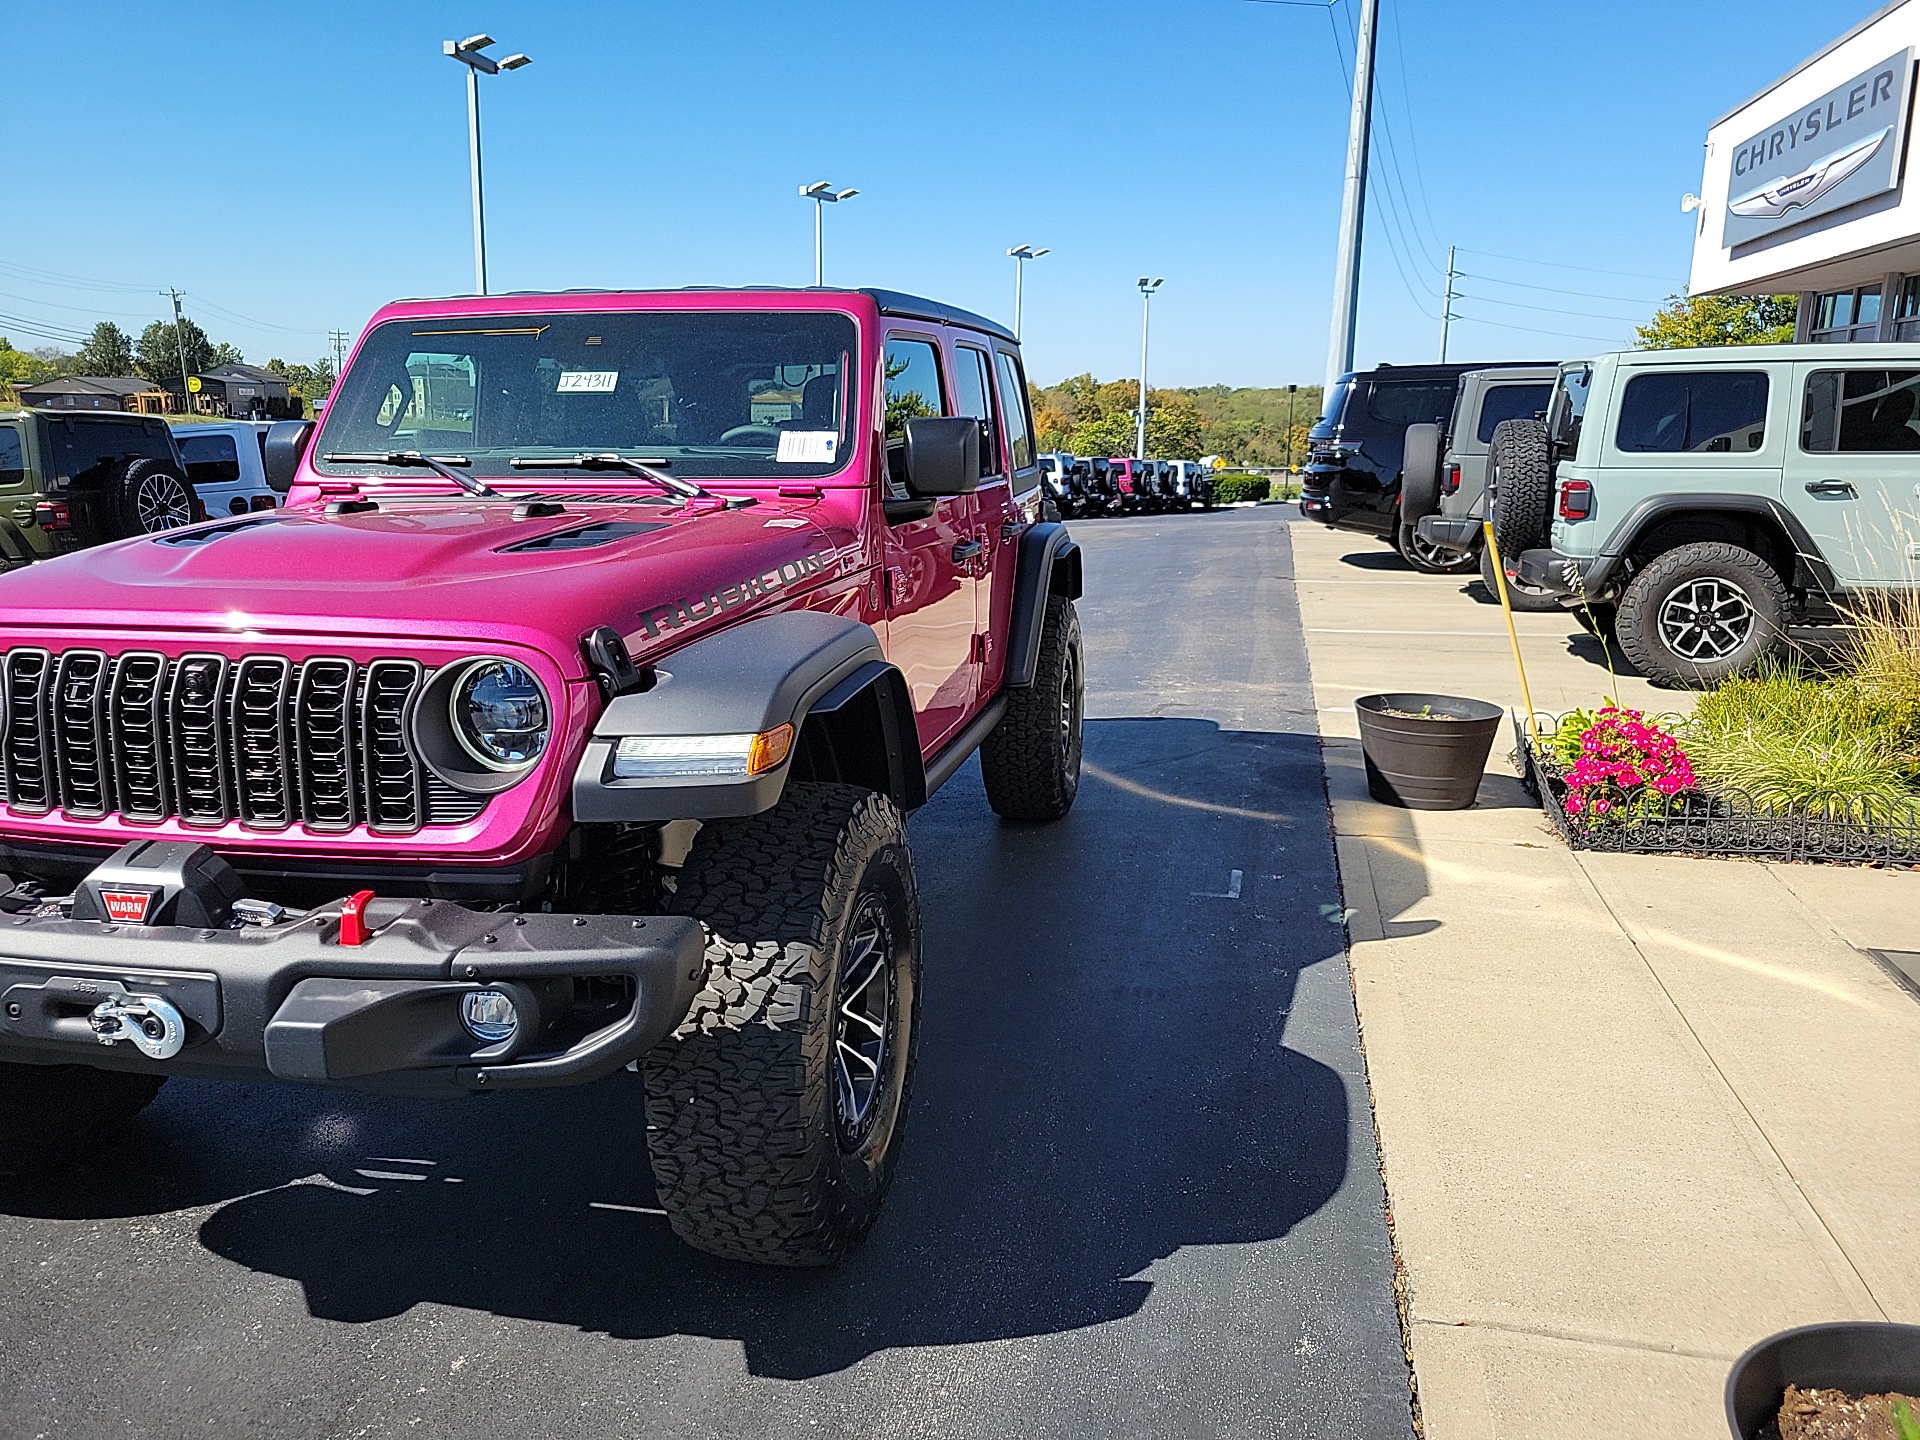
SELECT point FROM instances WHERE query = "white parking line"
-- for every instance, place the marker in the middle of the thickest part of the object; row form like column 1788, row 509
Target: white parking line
column 1232, row 892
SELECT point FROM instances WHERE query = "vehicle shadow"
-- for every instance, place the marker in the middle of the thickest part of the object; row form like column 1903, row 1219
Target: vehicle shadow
column 1103, row 1081
column 1385, row 558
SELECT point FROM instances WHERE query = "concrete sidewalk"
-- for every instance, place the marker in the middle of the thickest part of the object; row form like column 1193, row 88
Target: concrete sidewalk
column 1635, row 1112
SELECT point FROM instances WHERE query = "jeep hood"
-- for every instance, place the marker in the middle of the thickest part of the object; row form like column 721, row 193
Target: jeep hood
column 428, row 568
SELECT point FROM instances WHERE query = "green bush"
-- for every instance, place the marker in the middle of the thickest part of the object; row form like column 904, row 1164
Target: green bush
column 1231, row 489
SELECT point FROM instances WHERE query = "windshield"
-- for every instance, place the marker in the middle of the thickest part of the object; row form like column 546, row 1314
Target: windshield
column 717, row 392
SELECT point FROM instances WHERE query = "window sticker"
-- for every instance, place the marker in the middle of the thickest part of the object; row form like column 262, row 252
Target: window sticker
column 806, row 447
column 588, row 382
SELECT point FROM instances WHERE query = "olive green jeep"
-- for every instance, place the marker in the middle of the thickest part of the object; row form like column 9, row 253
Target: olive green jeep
column 72, row 480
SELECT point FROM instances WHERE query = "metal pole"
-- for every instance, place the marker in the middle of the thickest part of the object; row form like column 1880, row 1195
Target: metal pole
column 1140, row 437
column 1290, row 392
column 479, row 212
column 1353, row 203
column 1446, row 307
column 180, row 346
column 1019, row 274
column 819, row 263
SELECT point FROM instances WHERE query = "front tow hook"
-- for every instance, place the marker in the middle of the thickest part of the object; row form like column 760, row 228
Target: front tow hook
column 152, row 1024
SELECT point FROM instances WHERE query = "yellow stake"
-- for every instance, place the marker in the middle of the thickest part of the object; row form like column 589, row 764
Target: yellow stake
column 1506, row 606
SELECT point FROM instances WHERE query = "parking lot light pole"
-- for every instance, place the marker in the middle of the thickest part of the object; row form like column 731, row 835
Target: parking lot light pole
column 467, row 52
column 1021, row 254
column 1290, row 394
column 1353, row 202
column 821, row 192
column 1147, row 287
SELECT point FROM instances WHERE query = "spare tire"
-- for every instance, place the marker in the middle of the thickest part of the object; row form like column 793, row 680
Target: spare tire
column 1519, row 488
column 1420, row 473
column 147, row 497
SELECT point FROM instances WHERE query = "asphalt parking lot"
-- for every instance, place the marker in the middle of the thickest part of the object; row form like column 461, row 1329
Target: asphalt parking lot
column 1139, row 1194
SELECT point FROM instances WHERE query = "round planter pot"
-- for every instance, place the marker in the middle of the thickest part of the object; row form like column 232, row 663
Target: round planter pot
column 1860, row 1357
column 1431, row 753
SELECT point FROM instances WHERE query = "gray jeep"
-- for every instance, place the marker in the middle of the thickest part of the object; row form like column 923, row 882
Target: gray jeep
column 1443, row 495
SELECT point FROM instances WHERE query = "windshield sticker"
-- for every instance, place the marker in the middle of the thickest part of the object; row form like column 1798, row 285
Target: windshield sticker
column 806, row 447
column 588, row 382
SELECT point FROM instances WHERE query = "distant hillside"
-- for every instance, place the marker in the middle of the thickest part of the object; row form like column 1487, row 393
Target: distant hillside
column 1245, row 425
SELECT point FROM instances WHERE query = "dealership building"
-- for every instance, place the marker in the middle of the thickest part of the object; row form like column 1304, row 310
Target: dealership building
column 1805, row 188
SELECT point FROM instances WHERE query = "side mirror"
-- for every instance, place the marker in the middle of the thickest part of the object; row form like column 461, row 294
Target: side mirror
column 943, row 455
column 285, row 444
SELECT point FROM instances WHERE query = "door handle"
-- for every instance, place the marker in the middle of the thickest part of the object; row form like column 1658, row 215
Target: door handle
column 967, row 550
column 1833, row 487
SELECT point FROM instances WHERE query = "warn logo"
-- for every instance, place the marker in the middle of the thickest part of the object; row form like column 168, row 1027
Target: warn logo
column 129, row 907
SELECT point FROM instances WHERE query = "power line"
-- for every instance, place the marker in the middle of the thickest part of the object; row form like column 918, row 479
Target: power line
column 205, row 304
column 1560, row 265
column 1533, row 330
column 1556, row 290
column 1549, row 309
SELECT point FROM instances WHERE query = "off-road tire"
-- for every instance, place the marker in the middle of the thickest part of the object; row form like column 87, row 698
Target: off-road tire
column 1522, row 597
column 1030, row 761
column 146, row 498
column 1519, row 486
column 1648, row 609
column 51, row 1114
column 1428, row 558
column 752, row 1158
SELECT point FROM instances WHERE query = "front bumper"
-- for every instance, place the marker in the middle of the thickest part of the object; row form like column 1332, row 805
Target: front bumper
column 291, row 1002
column 1450, row 532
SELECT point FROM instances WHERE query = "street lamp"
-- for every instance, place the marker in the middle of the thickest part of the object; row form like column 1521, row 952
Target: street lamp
column 821, row 192
column 1290, row 392
column 1147, row 287
column 467, row 52
column 1021, row 254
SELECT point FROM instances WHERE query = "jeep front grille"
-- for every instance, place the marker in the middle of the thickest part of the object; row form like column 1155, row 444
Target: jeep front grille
column 265, row 740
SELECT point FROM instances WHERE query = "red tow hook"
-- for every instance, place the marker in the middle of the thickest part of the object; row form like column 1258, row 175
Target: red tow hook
column 353, row 919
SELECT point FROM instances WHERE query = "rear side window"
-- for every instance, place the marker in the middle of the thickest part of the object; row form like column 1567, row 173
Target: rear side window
column 1013, row 404
column 210, row 459
column 1702, row 412
column 1510, row 402
column 913, row 383
column 13, row 464
column 1860, row 411
column 1411, row 402
column 91, row 453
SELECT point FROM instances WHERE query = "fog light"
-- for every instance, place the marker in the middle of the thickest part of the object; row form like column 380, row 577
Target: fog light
column 489, row 1015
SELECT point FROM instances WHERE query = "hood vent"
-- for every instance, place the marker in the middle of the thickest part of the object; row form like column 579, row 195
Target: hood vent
column 207, row 536
column 586, row 537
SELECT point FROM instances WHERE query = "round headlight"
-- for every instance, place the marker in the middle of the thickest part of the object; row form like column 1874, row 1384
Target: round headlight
column 499, row 713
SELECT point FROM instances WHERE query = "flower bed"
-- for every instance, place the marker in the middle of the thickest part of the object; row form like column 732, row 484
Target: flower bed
column 1708, row 820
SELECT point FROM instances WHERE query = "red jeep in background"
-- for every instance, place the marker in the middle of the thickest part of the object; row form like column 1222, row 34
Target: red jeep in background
column 564, row 720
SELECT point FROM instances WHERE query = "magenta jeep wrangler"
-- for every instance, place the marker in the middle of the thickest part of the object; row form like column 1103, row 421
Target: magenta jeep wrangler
column 565, row 720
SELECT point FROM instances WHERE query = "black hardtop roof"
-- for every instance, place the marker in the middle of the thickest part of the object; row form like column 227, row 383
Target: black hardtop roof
column 1450, row 370
column 891, row 302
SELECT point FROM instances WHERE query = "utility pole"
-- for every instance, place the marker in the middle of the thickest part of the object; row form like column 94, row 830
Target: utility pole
column 339, row 339
column 1290, row 393
column 180, row 346
column 1353, row 202
column 1446, row 306
column 1147, row 287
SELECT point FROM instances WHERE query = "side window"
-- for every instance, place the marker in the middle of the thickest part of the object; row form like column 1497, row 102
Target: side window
column 1412, row 402
column 1860, row 411
column 1510, row 402
column 913, row 383
column 1699, row 412
column 974, row 387
column 13, row 464
column 211, row 459
column 1013, row 404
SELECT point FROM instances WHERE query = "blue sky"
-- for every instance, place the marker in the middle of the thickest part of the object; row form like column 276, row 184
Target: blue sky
column 292, row 167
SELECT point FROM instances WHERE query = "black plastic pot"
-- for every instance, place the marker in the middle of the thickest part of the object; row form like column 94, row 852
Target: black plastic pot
column 1860, row 1357
column 1430, row 756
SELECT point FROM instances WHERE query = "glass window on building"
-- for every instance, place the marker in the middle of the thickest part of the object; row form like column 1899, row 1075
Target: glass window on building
column 1847, row 315
column 1906, row 317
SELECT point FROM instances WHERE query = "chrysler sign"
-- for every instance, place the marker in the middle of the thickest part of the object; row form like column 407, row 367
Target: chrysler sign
column 1843, row 147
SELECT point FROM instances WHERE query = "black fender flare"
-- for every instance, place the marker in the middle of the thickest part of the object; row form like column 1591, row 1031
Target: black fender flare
column 788, row 668
column 1811, row 568
column 1048, row 564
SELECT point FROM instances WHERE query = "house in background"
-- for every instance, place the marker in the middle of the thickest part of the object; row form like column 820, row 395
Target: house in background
column 97, row 392
column 243, row 392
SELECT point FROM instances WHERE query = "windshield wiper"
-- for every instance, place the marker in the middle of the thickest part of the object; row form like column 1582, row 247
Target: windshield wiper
column 645, row 469
column 413, row 459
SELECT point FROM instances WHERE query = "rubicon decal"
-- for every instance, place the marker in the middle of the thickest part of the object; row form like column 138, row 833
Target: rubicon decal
column 128, row 907
column 691, row 610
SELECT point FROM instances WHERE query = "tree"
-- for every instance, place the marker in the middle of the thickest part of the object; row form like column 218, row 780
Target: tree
column 157, row 356
column 108, row 351
column 312, row 383
column 1690, row 320
column 1174, row 426
column 17, row 367
column 1108, row 436
column 225, row 354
